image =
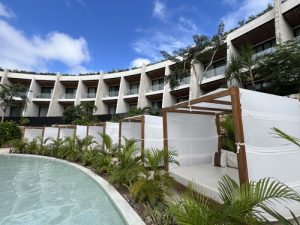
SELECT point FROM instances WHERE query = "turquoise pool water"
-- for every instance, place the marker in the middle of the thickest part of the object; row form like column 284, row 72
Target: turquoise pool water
column 39, row 191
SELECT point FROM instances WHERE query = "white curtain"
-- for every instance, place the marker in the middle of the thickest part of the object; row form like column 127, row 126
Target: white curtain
column 95, row 132
column 153, row 132
column 66, row 132
column 193, row 136
column 81, row 131
column 50, row 133
column 32, row 133
column 131, row 130
column 267, row 154
column 112, row 129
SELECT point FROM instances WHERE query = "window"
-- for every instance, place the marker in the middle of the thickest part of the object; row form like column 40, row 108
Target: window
column 46, row 92
column 134, row 88
column 158, row 84
column 112, row 109
column 297, row 32
column 92, row 92
column 43, row 111
column 133, row 106
column 217, row 68
column 182, row 99
column 113, row 91
column 15, row 111
column 70, row 92
column 264, row 46
column 157, row 105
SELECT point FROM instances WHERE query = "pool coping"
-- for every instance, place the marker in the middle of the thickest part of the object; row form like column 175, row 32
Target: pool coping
column 127, row 213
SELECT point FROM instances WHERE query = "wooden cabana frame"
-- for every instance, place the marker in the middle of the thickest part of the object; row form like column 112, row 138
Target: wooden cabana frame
column 215, row 106
column 134, row 119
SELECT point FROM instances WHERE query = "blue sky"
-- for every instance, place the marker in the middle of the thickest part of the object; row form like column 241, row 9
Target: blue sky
column 72, row 36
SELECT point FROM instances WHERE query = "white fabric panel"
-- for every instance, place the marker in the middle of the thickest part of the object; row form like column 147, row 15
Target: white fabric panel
column 81, row 131
column 32, row 133
column 193, row 136
column 66, row 132
column 51, row 133
column 95, row 132
column 153, row 132
column 112, row 129
column 131, row 130
column 260, row 113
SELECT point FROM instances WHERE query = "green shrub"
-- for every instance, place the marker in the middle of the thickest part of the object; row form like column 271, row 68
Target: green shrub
column 9, row 131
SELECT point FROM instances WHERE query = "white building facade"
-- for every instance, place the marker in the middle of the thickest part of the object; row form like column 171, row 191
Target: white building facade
column 117, row 92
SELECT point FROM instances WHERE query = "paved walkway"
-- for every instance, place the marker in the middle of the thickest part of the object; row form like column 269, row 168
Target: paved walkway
column 4, row 150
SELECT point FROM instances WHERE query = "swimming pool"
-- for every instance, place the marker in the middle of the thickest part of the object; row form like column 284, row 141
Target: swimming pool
column 38, row 190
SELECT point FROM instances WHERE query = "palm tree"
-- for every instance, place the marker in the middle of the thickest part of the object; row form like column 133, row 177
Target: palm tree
column 241, row 67
column 245, row 204
column 286, row 136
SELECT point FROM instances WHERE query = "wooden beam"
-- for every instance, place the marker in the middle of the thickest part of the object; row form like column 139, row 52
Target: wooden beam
column 239, row 134
column 220, row 102
column 201, row 99
column 166, row 144
column 209, row 109
column 142, row 136
column 192, row 112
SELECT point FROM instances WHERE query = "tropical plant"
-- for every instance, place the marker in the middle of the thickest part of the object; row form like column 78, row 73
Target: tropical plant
column 160, row 214
column 153, row 183
column 128, row 166
column 24, row 121
column 186, row 56
column 286, row 136
column 8, row 94
column 228, row 134
column 241, row 67
column 250, row 203
column 9, row 131
column 282, row 68
column 80, row 114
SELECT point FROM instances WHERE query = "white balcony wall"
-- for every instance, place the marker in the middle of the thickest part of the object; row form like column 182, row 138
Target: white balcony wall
column 144, row 84
column 122, row 106
column 32, row 109
column 55, row 109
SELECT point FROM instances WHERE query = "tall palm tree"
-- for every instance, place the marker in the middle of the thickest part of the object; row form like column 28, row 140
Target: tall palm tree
column 245, row 204
column 240, row 67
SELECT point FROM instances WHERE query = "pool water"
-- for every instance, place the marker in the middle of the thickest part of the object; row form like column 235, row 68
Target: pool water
column 41, row 191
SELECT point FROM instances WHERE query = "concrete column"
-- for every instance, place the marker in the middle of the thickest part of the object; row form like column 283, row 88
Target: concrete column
column 55, row 109
column 197, row 72
column 283, row 31
column 32, row 109
column 98, row 95
column 79, row 92
column 102, row 90
column 144, row 85
column 4, row 80
column 122, row 106
column 168, row 98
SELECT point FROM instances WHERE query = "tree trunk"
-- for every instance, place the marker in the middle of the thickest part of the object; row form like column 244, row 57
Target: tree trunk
column 3, row 115
column 210, row 63
column 252, row 79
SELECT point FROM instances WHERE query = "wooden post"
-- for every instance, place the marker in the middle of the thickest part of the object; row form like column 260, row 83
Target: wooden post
column 75, row 131
column 165, row 136
column 142, row 136
column 87, row 130
column 218, row 132
column 42, row 139
column 58, row 134
column 104, row 132
column 239, row 134
column 120, row 135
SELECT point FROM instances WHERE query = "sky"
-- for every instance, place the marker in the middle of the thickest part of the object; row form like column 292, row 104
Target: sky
column 80, row 36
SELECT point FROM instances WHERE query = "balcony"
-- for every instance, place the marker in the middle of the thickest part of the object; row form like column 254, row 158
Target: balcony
column 112, row 94
column 132, row 92
column 44, row 95
column 184, row 81
column 89, row 95
column 68, row 96
column 264, row 52
column 215, row 72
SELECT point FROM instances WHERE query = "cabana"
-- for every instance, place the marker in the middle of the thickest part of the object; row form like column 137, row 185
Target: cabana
column 32, row 133
column 192, row 128
column 109, row 128
column 144, row 128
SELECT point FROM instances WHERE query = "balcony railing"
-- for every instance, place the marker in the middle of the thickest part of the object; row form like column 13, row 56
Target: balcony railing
column 44, row 95
column 132, row 92
column 156, row 87
column 21, row 94
column 264, row 52
column 184, row 81
column 68, row 96
column 89, row 95
column 215, row 72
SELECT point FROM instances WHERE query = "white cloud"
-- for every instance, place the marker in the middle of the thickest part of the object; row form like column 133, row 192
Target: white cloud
column 138, row 62
column 245, row 9
column 38, row 52
column 159, row 10
column 187, row 25
column 6, row 12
